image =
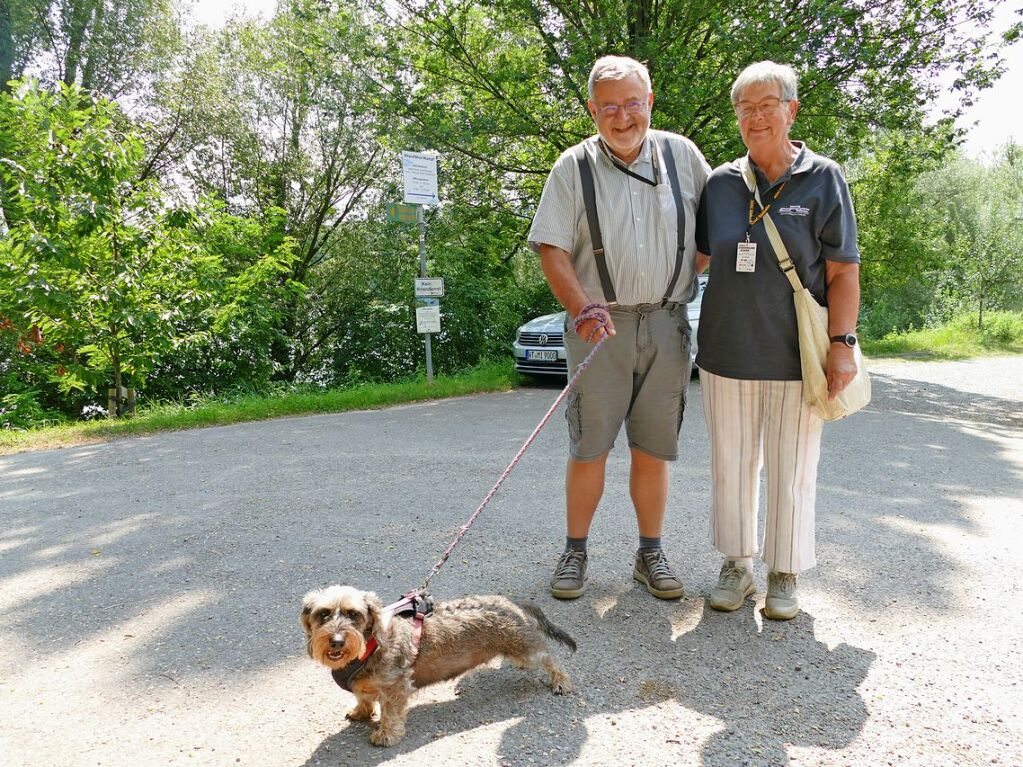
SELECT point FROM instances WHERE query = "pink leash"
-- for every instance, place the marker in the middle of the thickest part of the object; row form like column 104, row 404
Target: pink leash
column 584, row 315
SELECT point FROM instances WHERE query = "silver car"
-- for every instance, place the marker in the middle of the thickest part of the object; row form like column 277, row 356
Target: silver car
column 539, row 346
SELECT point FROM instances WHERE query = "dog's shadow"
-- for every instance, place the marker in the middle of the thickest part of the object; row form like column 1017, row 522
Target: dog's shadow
column 769, row 685
column 485, row 697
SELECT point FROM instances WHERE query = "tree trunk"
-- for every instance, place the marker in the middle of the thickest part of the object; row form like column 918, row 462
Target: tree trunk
column 115, row 359
column 78, row 27
column 640, row 20
column 6, row 47
column 89, row 70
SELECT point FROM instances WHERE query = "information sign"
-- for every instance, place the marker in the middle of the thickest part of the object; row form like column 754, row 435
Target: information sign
column 428, row 319
column 420, row 172
column 399, row 213
column 429, row 286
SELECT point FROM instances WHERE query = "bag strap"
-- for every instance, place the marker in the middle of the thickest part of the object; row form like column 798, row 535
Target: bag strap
column 680, row 211
column 780, row 251
column 596, row 239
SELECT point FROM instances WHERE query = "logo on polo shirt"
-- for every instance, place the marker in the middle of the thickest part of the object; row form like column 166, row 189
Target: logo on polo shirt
column 794, row 210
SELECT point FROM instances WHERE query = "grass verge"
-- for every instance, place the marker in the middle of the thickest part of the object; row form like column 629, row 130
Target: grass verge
column 1002, row 334
column 498, row 376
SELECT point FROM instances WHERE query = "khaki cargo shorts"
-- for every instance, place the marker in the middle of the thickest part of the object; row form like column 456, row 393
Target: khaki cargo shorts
column 639, row 378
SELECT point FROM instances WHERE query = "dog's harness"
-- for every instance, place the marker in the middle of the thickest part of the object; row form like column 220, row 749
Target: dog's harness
column 416, row 606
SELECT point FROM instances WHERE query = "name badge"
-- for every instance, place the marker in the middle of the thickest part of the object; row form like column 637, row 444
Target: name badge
column 746, row 257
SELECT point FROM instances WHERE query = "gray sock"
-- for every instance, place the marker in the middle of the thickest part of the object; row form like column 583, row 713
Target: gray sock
column 575, row 544
column 649, row 544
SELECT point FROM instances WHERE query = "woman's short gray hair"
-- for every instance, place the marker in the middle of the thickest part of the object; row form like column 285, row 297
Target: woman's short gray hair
column 767, row 72
column 616, row 68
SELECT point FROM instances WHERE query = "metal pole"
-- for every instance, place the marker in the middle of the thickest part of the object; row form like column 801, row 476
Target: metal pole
column 422, row 273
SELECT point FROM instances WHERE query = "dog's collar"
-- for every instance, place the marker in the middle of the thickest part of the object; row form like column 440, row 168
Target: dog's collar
column 345, row 675
column 416, row 606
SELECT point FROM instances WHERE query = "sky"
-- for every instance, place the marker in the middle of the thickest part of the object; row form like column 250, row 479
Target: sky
column 990, row 121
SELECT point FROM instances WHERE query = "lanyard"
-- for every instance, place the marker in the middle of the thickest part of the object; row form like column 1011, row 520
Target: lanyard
column 654, row 160
column 763, row 211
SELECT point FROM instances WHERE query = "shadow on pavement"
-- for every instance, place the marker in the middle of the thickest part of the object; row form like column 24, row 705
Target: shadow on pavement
column 924, row 398
column 769, row 690
column 232, row 525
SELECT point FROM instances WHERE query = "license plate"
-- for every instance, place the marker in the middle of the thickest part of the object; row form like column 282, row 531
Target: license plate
column 544, row 355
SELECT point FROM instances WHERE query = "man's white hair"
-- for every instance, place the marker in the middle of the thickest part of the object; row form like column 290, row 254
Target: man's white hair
column 763, row 72
column 616, row 68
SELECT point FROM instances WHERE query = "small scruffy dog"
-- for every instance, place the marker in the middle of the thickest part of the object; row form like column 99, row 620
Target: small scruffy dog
column 340, row 622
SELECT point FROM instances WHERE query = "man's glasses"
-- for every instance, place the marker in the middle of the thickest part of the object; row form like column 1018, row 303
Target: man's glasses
column 747, row 109
column 630, row 107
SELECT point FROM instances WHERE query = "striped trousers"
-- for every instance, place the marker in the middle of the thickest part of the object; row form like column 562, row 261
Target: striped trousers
column 754, row 424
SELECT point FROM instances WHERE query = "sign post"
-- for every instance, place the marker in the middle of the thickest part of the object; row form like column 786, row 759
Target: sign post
column 435, row 310
column 419, row 170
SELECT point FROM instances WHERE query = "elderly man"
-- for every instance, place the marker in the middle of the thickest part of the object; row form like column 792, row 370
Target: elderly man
column 615, row 233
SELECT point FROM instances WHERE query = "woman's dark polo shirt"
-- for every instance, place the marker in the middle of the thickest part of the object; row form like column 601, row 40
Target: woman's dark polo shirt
column 747, row 321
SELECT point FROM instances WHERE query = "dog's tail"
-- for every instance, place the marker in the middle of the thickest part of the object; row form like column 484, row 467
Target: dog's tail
column 546, row 626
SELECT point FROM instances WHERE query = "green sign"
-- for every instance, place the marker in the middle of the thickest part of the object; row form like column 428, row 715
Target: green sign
column 402, row 214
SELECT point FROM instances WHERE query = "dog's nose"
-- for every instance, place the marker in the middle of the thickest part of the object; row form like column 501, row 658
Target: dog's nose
column 337, row 641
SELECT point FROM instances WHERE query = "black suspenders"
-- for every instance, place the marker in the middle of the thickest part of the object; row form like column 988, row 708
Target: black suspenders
column 597, row 240
column 590, row 200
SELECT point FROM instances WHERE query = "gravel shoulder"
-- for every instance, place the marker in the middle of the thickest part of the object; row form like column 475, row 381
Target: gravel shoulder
column 150, row 588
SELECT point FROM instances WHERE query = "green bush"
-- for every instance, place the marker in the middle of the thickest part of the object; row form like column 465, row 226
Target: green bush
column 22, row 410
column 1000, row 328
column 958, row 339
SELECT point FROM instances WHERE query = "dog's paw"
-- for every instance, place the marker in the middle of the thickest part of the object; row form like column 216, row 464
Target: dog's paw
column 561, row 685
column 382, row 737
column 360, row 714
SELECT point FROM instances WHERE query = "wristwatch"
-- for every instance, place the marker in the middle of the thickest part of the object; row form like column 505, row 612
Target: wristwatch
column 849, row 339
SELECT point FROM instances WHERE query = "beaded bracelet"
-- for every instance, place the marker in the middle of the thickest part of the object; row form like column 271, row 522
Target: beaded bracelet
column 589, row 312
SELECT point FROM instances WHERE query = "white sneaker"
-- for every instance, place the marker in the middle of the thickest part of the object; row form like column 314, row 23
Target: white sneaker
column 782, row 603
column 735, row 583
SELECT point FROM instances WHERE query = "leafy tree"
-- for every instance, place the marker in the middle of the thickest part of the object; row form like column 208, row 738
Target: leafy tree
column 973, row 213
column 108, row 46
column 506, row 84
column 227, row 345
column 20, row 32
column 900, row 256
column 95, row 261
column 500, row 91
column 276, row 119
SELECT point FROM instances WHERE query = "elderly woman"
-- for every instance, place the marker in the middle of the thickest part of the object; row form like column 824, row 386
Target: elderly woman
column 748, row 345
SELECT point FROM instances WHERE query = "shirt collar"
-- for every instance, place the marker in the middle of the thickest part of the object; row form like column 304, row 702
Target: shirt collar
column 802, row 163
column 644, row 156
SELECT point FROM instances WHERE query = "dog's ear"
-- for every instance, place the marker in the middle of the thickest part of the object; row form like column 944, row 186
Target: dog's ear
column 305, row 618
column 378, row 619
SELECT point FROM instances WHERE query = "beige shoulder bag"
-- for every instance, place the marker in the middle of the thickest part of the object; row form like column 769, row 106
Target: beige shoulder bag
column 814, row 339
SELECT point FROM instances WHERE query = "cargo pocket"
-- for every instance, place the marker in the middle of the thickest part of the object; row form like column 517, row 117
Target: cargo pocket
column 682, row 406
column 686, row 332
column 687, row 357
column 573, row 414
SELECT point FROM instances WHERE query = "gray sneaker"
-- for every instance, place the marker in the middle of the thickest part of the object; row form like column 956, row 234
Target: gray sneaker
column 781, row 604
column 569, row 579
column 652, row 569
column 735, row 583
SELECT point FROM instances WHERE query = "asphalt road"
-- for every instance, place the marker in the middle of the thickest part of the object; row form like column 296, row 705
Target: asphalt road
column 150, row 588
